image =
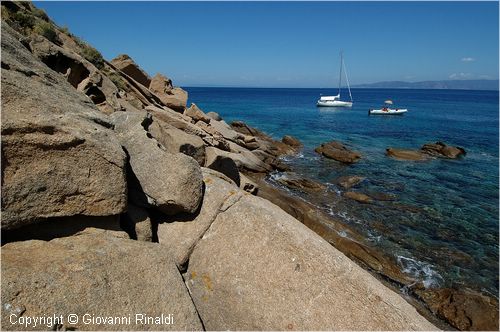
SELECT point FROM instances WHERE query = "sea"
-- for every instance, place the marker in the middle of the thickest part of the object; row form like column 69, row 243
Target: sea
column 442, row 224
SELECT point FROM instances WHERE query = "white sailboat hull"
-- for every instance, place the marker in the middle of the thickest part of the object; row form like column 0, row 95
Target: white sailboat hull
column 388, row 111
column 334, row 103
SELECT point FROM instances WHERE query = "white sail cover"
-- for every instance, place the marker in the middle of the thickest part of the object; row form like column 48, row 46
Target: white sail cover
column 329, row 98
column 389, row 102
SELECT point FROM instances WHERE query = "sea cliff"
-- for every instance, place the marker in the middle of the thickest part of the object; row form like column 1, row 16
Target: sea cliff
column 119, row 199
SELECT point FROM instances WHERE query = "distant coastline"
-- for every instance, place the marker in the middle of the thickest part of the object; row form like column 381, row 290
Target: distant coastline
column 426, row 85
column 446, row 84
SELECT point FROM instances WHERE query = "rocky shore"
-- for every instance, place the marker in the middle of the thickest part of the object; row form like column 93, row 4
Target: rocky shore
column 119, row 198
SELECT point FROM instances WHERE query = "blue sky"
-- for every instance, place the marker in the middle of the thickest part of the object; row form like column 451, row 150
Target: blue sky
column 292, row 44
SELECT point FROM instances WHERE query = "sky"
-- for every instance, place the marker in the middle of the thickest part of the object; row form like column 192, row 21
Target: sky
column 292, row 44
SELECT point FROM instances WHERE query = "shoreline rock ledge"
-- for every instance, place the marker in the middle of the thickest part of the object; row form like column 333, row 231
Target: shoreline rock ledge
column 180, row 236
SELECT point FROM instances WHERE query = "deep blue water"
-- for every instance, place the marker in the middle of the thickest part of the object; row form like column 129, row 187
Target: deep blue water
column 443, row 225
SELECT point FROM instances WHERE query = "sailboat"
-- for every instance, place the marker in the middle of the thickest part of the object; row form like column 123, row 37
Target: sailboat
column 334, row 101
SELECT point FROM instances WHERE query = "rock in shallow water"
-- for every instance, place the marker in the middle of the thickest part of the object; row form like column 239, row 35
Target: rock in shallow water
column 401, row 154
column 337, row 151
column 349, row 181
column 440, row 149
column 360, row 197
column 437, row 149
column 464, row 309
column 295, row 181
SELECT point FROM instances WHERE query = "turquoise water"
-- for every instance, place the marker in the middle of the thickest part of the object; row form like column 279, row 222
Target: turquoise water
column 443, row 226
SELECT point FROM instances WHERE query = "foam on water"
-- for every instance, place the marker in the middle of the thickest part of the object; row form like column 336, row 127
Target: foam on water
column 421, row 271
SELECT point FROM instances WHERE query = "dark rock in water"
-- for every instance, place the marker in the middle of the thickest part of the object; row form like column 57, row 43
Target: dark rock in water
column 337, row 151
column 360, row 197
column 440, row 149
column 295, row 181
column 349, row 181
column 402, row 154
column 214, row 115
column 292, row 141
column 379, row 196
column 464, row 309
column 437, row 149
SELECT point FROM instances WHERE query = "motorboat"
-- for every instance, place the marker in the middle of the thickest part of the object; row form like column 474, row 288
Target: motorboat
column 387, row 110
column 334, row 101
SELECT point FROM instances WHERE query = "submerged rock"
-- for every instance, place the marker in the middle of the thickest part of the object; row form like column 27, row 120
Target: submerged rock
column 337, row 151
column 360, row 197
column 297, row 182
column 349, row 181
column 401, row 154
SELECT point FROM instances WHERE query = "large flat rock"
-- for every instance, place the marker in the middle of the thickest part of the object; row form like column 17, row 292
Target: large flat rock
column 258, row 268
column 97, row 274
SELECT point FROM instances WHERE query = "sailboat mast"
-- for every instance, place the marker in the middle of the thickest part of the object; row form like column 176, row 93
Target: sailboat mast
column 340, row 73
column 347, row 79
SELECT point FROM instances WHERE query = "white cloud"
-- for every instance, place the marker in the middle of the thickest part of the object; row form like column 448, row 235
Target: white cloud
column 468, row 59
column 461, row 76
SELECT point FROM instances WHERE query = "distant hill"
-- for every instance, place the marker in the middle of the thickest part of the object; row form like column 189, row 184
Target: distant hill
column 448, row 84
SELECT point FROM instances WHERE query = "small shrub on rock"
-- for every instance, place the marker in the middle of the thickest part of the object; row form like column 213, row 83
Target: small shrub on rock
column 65, row 30
column 45, row 29
column 117, row 80
column 40, row 13
column 24, row 19
column 93, row 56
